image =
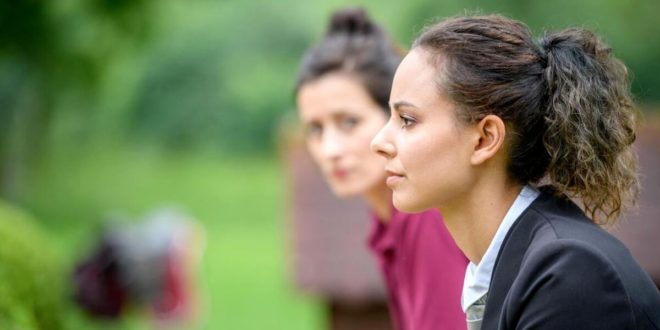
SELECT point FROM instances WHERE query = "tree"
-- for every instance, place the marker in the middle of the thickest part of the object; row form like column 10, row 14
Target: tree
column 49, row 49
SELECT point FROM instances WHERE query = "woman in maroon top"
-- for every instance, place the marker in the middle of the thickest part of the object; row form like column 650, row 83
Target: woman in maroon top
column 342, row 94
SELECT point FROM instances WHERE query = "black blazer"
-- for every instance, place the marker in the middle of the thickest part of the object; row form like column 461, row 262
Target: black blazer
column 558, row 270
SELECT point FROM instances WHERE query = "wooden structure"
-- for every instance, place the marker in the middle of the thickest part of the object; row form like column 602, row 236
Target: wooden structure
column 640, row 228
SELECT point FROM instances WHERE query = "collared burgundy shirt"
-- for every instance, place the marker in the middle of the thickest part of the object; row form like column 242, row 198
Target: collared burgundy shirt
column 423, row 270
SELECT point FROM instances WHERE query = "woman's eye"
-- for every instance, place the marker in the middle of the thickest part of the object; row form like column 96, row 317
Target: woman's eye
column 349, row 122
column 406, row 121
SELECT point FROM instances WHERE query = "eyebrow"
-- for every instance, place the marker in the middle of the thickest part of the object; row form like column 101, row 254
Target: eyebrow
column 402, row 104
column 340, row 113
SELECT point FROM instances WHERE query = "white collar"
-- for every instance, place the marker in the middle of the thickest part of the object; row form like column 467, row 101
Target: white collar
column 477, row 277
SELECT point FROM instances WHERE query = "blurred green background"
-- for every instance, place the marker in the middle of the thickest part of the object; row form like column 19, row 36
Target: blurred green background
column 125, row 105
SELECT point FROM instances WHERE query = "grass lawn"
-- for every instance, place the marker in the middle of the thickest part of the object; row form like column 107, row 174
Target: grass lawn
column 243, row 279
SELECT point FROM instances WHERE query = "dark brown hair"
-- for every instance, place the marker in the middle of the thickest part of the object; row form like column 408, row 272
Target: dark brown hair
column 355, row 45
column 565, row 100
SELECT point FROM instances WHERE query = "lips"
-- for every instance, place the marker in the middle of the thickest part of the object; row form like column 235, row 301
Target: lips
column 339, row 174
column 393, row 178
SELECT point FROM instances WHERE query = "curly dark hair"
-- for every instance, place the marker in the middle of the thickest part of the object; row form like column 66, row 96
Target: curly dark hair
column 565, row 98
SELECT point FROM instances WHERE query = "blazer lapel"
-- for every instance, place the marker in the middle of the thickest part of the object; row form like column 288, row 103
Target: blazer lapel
column 508, row 262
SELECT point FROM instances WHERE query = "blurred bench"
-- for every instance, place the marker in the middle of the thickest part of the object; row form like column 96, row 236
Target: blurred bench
column 640, row 229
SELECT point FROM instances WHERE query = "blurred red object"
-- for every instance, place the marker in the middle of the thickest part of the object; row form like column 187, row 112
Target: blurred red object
column 97, row 284
column 147, row 264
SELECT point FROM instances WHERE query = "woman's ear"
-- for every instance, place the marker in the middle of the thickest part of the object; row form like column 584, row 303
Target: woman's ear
column 491, row 133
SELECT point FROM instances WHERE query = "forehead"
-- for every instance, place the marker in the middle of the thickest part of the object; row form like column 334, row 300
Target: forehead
column 333, row 93
column 415, row 79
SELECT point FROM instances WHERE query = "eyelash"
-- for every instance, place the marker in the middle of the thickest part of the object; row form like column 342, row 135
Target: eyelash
column 406, row 121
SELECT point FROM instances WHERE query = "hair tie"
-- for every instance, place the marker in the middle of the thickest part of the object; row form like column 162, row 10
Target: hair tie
column 543, row 50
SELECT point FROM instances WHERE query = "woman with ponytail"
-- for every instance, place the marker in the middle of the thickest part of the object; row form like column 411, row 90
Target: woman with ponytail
column 342, row 92
column 481, row 113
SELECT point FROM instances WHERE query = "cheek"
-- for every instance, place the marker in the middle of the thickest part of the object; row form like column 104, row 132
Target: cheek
column 415, row 151
column 369, row 160
column 314, row 149
column 362, row 141
column 372, row 164
column 373, row 161
column 428, row 156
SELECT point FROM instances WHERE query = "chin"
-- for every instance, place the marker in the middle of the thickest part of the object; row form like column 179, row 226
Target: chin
column 408, row 206
column 345, row 192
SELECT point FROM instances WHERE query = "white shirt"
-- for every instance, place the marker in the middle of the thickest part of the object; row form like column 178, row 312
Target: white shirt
column 477, row 277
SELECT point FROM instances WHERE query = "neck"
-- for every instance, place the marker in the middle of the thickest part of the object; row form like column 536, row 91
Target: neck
column 380, row 201
column 473, row 219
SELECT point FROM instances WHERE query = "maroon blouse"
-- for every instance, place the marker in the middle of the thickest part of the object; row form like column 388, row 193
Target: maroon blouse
column 423, row 270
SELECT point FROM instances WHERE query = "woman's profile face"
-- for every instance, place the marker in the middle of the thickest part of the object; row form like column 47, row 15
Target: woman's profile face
column 427, row 149
column 340, row 119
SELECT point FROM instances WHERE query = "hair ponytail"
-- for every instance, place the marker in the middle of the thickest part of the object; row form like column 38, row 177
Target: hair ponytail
column 590, row 123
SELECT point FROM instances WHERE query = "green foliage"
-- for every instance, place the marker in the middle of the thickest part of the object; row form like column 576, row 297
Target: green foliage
column 218, row 81
column 238, row 201
column 31, row 287
column 50, row 50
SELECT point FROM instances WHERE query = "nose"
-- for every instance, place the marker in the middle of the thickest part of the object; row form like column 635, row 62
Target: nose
column 332, row 144
column 381, row 143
